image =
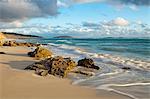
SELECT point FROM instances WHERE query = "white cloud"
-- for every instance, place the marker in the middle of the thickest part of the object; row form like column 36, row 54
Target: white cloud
column 133, row 7
column 120, row 21
column 61, row 4
column 16, row 23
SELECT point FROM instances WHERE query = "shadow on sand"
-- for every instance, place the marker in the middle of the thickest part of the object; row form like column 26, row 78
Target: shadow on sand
column 20, row 64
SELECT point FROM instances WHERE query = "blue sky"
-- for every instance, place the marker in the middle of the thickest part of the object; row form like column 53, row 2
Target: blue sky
column 82, row 18
column 95, row 12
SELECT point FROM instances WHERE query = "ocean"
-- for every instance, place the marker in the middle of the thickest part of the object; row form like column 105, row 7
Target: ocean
column 110, row 54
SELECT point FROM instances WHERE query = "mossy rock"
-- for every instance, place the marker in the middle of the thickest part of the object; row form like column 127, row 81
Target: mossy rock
column 40, row 53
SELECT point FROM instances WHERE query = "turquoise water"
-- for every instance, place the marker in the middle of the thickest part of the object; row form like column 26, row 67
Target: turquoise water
column 135, row 48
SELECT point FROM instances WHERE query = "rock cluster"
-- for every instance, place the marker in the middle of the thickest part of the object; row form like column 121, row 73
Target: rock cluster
column 56, row 66
column 14, row 43
column 88, row 63
column 9, row 43
column 59, row 66
column 40, row 53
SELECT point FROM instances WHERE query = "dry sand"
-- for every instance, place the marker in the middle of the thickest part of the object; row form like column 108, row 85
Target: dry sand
column 15, row 83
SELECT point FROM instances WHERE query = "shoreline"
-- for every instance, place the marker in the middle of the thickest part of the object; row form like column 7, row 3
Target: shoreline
column 19, row 84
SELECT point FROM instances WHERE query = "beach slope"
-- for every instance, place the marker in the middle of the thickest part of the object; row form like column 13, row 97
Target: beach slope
column 15, row 83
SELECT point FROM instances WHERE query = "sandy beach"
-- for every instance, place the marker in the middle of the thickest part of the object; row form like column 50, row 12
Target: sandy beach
column 74, row 49
column 15, row 83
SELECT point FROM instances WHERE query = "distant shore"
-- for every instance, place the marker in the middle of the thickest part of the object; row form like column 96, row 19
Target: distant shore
column 19, row 84
column 10, row 35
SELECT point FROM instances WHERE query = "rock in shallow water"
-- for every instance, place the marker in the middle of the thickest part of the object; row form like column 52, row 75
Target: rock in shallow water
column 84, row 73
column 126, row 68
column 89, row 63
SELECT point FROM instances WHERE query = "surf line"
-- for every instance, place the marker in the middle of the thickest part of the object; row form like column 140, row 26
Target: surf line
column 107, row 87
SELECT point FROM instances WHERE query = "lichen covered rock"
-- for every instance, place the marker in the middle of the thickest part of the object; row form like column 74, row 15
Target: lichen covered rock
column 57, row 66
column 61, row 66
column 40, row 53
column 88, row 63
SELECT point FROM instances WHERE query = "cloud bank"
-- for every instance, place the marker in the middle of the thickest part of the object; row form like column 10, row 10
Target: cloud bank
column 113, row 28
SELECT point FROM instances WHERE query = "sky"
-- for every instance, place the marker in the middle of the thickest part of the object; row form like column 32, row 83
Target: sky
column 78, row 18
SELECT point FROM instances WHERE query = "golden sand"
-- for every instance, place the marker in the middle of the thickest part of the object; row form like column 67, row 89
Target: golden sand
column 15, row 83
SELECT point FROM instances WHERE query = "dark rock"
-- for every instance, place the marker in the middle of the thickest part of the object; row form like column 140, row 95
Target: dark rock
column 26, row 44
column 14, row 43
column 126, row 68
column 84, row 73
column 35, row 66
column 9, row 43
column 44, row 44
column 29, row 44
column 2, row 53
column 89, row 63
column 40, row 52
column 31, row 54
